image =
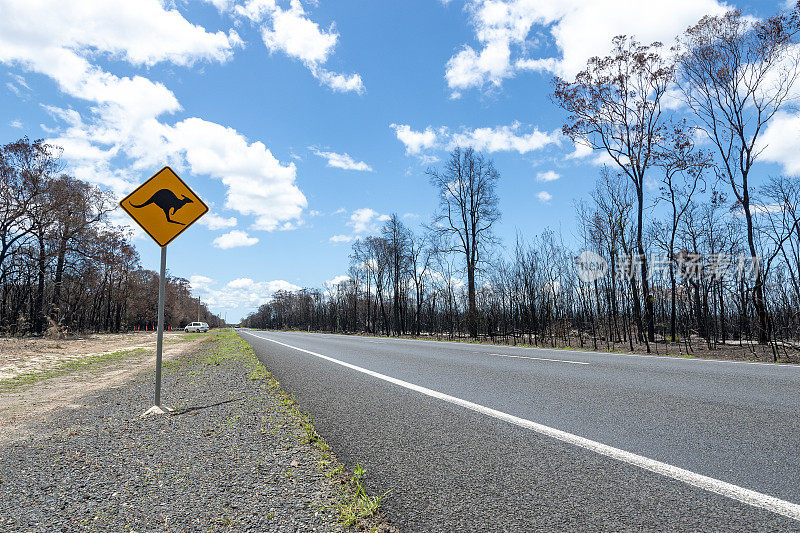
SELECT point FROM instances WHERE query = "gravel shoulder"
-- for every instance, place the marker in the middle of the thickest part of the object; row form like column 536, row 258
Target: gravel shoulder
column 236, row 454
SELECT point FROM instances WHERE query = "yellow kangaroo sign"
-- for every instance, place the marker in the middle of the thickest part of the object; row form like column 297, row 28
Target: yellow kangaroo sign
column 164, row 206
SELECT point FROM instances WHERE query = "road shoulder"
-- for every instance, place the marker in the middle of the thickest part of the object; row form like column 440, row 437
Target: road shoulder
column 235, row 454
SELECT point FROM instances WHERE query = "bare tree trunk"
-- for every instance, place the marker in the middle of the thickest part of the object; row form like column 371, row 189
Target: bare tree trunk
column 472, row 313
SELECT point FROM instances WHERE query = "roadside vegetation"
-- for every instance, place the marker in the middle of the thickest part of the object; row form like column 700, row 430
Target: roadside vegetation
column 353, row 505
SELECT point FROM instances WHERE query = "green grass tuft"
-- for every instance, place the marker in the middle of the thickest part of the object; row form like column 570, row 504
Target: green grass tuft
column 356, row 504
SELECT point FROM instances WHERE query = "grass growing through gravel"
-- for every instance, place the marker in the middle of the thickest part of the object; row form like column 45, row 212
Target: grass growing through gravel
column 354, row 506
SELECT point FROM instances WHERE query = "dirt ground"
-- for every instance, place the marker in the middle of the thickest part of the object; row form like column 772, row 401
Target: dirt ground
column 19, row 355
column 23, row 404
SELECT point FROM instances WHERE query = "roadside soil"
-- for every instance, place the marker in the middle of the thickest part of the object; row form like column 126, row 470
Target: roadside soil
column 26, row 354
column 25, row 403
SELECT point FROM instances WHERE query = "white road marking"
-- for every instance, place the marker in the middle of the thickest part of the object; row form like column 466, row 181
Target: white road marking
column 729, row 490
column 539, row 358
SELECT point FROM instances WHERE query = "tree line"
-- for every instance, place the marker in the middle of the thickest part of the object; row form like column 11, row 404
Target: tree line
column 679, row 247
column 64, row 267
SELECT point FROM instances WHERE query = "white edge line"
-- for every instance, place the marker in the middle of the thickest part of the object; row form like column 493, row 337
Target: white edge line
column 540, row 358
column 729, row 490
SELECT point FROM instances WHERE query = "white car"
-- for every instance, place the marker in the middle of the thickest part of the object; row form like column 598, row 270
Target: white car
column 196, row 327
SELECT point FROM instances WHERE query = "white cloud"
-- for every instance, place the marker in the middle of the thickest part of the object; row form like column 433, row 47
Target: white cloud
column 543, row 65
column 582, row 149
column 425, row 159
column 257, row 183
column 342, row 83
column 366, row 220
column 48, row 35
column 16, row 124
column 331, row 283
column 343, row 161
column 414, row 141
column 20, row 80
column 544, row 196
column 779, row 142
column 254, row 10
column 234, row 239
column 200, row 282
column 297, row 36
column 548, row 176
column 504, row 139
column 18, row 86
column 291, row 32
column 124, row 119
column 764, row 209
column 486, row 139
column 214, row 222
column 469, row 68
column 242, row 293
column 221, row 5
column 508, row 31
column 341, row 238
column 13, row 88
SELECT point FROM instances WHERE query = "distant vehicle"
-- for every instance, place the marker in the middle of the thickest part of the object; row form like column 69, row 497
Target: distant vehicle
column 196, row 327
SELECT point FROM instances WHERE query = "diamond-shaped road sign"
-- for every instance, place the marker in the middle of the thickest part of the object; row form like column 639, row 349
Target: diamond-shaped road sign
column 164, row 206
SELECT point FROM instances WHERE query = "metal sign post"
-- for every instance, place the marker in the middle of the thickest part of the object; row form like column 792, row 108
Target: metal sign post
column 162, row 288
column 164, row 206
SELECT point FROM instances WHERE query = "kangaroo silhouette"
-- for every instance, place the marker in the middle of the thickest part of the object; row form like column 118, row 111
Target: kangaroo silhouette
column 168, row 202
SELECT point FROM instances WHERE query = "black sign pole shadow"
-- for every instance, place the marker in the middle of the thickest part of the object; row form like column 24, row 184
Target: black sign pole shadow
column 157, row 408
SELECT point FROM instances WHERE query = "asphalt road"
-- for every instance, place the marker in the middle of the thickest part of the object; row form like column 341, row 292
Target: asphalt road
column 473, row 437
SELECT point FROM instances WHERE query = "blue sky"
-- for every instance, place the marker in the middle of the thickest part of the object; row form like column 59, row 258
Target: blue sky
column 303, row 125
